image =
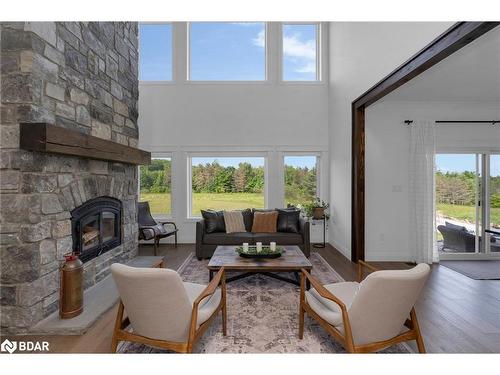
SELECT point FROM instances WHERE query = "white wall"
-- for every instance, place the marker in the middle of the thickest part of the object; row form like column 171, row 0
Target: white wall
column 253, row 118
column 387, row 159
column 360, row 55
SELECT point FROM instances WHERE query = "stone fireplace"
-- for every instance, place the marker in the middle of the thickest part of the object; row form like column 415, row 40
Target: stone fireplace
column 80, row 76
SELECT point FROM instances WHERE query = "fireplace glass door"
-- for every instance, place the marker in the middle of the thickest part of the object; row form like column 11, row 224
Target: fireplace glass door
column 108, row 223
column 96, row 227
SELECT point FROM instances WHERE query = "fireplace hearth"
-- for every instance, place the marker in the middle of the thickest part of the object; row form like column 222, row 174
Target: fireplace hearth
column 96, row 227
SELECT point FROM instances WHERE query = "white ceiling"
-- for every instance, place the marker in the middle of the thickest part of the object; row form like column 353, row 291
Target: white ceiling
column 470, row 74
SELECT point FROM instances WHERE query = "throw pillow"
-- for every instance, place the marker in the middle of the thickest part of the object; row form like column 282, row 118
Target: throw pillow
column 214, row 221
column 288, row 220
column 234, row 221
column 264, row 222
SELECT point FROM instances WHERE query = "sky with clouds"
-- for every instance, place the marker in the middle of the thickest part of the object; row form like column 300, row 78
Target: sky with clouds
column 227, row 51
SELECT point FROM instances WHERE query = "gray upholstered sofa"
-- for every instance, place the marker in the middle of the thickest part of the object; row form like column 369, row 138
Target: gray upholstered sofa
column 207, row 242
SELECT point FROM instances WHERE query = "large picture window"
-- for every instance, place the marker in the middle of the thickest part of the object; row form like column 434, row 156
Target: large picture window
column 227, row 183
column 156, row 185
column 227, row 51
column 155, row 52
column 300, row 52
column 301, row 179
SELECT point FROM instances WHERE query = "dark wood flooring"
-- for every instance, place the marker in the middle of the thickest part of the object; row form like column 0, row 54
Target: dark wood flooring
column 457, row 314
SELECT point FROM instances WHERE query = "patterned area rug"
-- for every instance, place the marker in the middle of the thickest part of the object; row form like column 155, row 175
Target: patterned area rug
column 262, row 316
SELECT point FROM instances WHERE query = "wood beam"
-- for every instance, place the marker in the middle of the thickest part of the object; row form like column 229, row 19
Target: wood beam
column 453, row 39
column 44, row 137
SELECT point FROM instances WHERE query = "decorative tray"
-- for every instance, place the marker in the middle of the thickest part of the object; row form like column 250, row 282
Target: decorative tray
column 265, row 253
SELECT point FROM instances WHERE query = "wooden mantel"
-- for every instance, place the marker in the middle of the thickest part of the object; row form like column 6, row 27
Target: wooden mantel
column 51, row 138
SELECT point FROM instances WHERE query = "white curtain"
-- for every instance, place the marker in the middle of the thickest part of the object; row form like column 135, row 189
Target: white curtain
column 422, row 191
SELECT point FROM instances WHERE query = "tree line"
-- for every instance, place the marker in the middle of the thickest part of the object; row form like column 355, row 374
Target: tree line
column 460, row 188
column 300, row 183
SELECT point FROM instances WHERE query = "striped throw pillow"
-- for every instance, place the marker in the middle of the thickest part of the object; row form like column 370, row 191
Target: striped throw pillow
column 234, row 221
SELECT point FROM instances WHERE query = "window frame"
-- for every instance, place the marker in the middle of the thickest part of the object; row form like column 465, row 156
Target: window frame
column 172, row 55
column 163, row 155
column 189, row 80
column 317, row 155
column 319, row 55
column 189, row 160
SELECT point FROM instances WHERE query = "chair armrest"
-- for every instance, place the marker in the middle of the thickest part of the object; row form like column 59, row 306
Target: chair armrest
column 323, row 292
column 169, row 223
column 362, row 264
column 220, row 278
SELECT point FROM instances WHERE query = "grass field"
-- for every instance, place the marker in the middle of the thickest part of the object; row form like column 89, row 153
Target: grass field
column 466, row 213
column 160, row 203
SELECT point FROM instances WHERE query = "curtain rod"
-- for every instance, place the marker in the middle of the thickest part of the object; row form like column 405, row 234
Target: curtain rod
column 492, row 122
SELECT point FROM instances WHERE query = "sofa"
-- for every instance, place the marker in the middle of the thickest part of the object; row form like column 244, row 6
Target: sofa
column 458, row 239
column 206, row 243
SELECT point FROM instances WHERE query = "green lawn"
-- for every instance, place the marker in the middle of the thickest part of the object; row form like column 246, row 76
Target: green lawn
column 466, row 213
column 160, row 202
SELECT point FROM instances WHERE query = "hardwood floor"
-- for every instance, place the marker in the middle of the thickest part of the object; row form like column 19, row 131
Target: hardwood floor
column 456, row 314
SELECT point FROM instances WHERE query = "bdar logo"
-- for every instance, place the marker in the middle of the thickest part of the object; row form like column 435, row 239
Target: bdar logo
column 8, row 346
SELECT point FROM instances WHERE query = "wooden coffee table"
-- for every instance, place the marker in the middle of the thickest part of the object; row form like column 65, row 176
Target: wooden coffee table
column 291, row 261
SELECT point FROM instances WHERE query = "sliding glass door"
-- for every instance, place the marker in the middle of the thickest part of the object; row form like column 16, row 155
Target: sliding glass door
column 467, row 205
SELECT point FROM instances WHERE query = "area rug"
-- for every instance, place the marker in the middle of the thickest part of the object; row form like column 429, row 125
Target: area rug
column 475, row 269
column 262, row 316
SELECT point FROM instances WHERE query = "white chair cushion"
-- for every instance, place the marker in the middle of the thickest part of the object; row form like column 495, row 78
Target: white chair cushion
column 207, row 305
column 327, row 309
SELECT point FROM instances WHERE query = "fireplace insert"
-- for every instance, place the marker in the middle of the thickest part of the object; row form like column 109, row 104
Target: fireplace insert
column 96, row 227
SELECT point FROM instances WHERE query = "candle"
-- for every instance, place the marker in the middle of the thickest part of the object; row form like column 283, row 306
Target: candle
column 273, row 246
column 245, row 247
column 259, row 247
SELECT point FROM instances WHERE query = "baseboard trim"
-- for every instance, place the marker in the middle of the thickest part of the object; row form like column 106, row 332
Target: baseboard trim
column 342, row 249
column 388, row 257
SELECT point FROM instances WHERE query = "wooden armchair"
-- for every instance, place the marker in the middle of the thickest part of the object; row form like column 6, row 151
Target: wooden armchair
column 164, row 311
column 369, row 315
column 150, row 229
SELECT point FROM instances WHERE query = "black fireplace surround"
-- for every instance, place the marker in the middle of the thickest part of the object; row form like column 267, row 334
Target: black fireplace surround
column 96, row 227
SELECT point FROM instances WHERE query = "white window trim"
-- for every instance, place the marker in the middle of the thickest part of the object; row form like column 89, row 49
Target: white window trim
column 189, row 81
column 161, row 155
column 189, row 215
column 320, row 76
column 172, row 73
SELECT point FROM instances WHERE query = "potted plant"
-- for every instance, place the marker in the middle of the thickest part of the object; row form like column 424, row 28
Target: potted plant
column 317, row 209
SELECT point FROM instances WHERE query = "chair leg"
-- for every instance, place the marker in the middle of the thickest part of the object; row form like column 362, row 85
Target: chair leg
column 301, row 322
column 176, row 240
column 224, row 320
column 224, row 305
column 118, row 323
column 156, row 240
column 416, row 327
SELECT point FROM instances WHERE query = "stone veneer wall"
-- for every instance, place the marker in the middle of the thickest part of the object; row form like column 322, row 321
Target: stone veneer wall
column 82, row 76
